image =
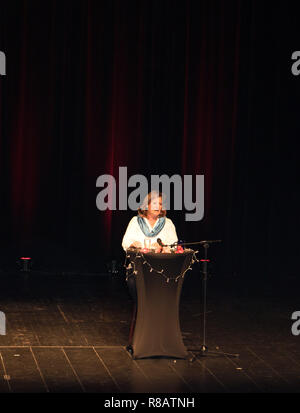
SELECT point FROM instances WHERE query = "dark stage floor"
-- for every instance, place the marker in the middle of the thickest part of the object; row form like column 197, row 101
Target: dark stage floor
column 69, row 333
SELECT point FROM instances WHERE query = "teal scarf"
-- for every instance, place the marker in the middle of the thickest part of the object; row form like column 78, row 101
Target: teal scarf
column 156, row 230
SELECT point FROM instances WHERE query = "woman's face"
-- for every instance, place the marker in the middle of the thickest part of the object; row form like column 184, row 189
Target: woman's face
column 155, row 207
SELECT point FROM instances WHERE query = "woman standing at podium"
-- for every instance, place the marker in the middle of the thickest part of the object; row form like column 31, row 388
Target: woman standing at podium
column 151, row 222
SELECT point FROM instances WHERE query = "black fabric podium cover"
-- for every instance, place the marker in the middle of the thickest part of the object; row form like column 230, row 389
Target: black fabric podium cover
column 159, row 280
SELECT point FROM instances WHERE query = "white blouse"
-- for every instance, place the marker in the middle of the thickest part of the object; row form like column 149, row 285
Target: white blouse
column 134, row 233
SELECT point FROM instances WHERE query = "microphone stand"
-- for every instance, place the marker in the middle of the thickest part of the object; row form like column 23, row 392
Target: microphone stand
column 203, row 348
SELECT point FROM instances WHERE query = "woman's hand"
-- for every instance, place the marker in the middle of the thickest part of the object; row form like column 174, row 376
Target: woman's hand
column 157, row 247
column 136, row 244
column 166, row 249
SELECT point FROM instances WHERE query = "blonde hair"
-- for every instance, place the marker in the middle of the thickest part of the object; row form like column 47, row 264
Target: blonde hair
column 143, row 210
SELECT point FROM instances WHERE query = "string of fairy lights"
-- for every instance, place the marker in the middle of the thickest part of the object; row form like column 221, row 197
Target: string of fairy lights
column 131, row 267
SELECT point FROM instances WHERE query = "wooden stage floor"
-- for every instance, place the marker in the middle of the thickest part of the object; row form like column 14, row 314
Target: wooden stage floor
column 68, row 334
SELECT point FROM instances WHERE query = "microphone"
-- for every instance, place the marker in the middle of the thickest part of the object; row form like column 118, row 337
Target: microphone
column 159, row 241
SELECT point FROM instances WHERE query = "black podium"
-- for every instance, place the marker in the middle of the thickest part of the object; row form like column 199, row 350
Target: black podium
column 159, row 279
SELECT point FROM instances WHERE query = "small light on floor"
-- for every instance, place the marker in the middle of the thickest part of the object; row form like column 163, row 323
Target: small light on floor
column 25, row 263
